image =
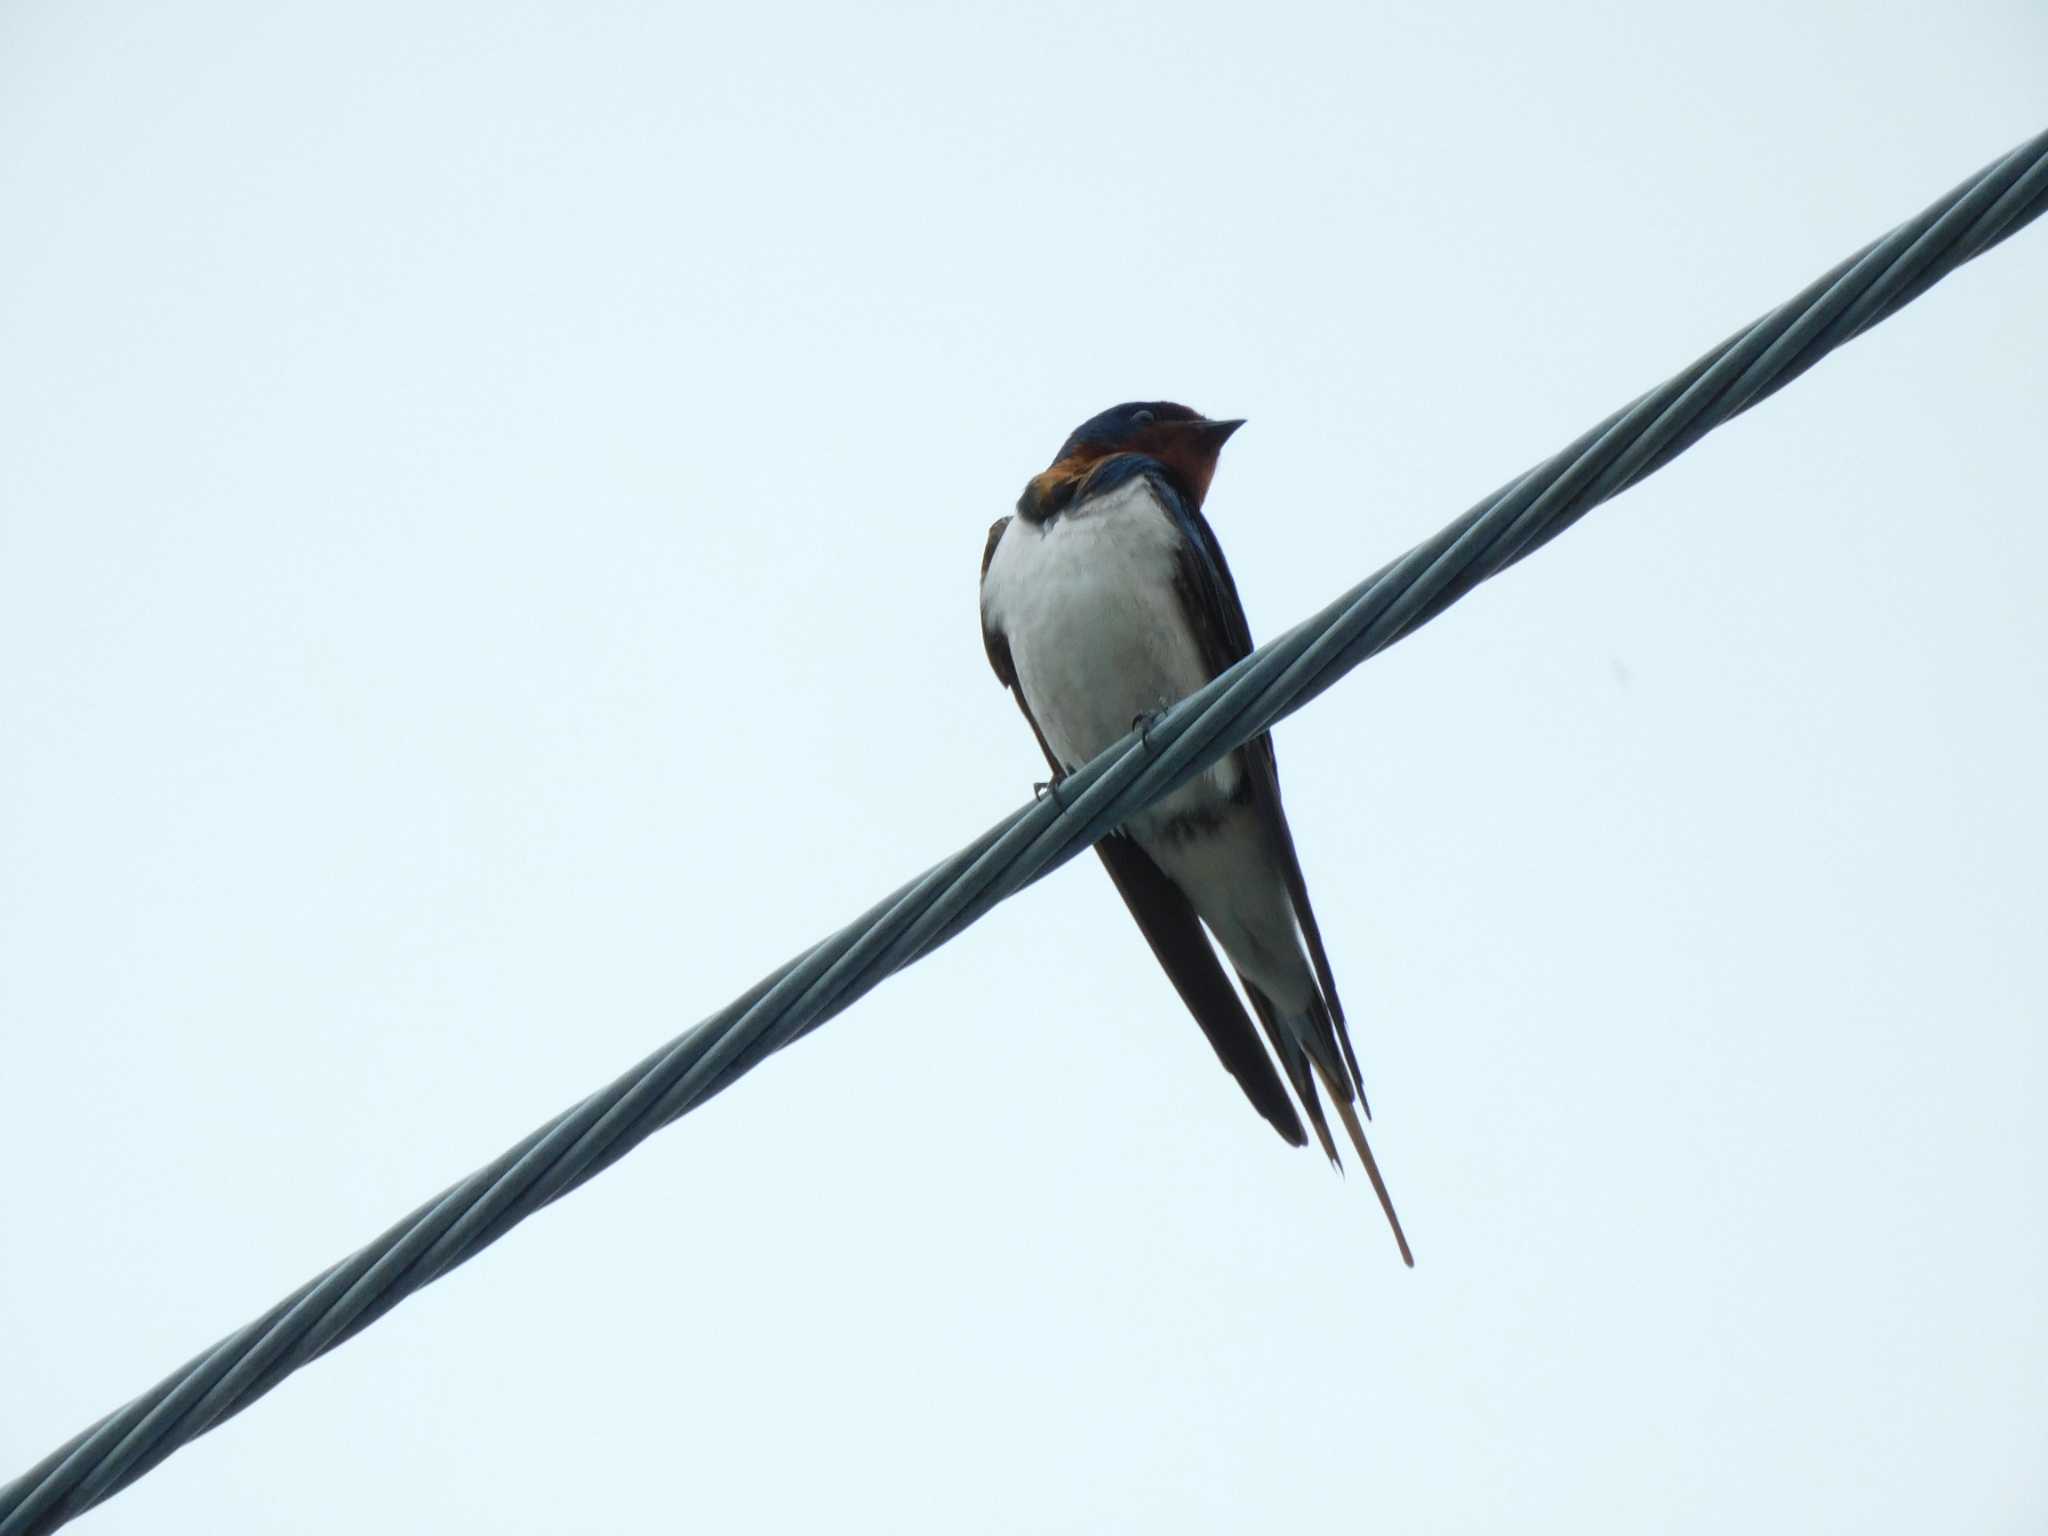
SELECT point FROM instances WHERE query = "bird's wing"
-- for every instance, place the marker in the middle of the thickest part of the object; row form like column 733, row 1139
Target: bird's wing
column 1210, row 596
column 1212, row 599
column 992, row 640
column 1169, row 924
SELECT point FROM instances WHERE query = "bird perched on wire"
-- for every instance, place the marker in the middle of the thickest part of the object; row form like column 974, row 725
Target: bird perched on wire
column 1104, row 600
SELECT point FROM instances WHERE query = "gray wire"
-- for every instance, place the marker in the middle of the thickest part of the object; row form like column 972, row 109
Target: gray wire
column 1273, row 682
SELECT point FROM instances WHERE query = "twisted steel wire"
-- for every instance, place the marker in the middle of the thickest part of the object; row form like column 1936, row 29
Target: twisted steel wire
column 1273, row 682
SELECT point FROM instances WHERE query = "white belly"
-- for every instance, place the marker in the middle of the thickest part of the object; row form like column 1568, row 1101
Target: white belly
column 1094, row 625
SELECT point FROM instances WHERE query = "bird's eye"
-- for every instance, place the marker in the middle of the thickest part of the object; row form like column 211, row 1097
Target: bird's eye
column 1141, row 418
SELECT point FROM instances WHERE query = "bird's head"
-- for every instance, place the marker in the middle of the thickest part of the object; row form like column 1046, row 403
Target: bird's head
column 1185, row 443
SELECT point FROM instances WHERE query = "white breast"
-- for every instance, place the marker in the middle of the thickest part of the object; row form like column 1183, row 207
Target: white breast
column 1094, row 625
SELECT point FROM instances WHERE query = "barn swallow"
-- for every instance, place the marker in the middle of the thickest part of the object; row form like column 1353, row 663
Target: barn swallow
column 1104, row 600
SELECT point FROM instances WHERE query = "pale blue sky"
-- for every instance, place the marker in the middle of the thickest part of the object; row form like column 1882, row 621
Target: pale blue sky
column 488, row 521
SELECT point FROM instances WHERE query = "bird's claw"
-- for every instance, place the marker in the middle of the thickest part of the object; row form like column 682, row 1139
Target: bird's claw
column 1143, row 723
column 1050, row 787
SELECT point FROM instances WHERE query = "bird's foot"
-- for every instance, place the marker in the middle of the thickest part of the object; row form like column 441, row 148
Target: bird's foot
column 1051, row 787
column 1143, row 723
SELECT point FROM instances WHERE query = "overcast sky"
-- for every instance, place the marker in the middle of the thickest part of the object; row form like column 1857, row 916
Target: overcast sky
column 490, row 500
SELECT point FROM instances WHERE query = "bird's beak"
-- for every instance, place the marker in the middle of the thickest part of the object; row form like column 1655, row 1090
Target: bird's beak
column 1190, row 449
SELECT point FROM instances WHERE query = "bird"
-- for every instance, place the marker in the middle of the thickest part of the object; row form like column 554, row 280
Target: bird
column 1105, row 599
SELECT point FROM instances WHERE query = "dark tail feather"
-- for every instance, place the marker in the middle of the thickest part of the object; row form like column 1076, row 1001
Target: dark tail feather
column 1294, row 1060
